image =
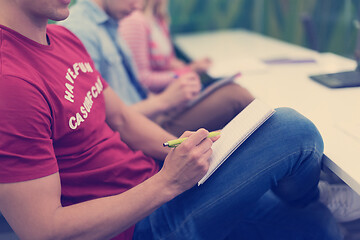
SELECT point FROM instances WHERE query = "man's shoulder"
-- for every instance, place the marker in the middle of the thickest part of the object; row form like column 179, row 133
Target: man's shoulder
column 62, row 34
column 58, row 30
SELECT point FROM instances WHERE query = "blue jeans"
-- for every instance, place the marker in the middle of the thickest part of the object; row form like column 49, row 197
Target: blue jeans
column 267, row 189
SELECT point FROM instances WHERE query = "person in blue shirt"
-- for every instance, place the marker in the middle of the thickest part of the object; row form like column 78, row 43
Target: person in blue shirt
column 98, row 30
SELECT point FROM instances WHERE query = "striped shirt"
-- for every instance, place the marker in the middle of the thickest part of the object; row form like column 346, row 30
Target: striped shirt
column 151, row 48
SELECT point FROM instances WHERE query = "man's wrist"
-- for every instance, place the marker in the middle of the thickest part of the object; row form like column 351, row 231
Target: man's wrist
column 169, row 190
column 162, row 102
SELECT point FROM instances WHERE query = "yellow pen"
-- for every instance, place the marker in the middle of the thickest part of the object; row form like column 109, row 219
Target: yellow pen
column 177, row 142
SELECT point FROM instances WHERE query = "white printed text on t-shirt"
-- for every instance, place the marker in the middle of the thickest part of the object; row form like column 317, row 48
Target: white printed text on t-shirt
column 85, row 108
column 71, row 75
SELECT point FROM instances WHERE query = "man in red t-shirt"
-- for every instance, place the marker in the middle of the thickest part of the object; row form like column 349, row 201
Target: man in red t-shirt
column 52, row 103
column 76, row 163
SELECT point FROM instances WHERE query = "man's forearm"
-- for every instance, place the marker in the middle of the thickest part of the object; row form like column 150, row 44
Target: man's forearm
column 151, row 106
column 34, row 211
column 135, row 129
column 106, row 217
column 41, row 216
column 142, row 134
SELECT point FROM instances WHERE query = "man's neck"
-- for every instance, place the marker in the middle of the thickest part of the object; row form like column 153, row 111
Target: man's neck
column 31, row 28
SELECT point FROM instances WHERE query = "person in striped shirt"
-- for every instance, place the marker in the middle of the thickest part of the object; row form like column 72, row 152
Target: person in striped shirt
column 146, row 31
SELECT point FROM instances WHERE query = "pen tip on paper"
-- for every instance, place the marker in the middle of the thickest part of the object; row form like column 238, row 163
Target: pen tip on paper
column 165, row 144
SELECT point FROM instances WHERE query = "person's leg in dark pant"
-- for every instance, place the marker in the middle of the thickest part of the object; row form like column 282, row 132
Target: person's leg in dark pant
column 212, row 113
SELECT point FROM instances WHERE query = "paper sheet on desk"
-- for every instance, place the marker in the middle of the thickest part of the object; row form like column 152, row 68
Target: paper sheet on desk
column 332, row 63
column 225, row 67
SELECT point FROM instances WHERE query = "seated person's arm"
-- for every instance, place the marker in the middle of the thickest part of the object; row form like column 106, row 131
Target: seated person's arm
column 34, row 211
column 31, row 202
column 29, row 180
column 135, row 129
column 176, row 63
column 176, row 95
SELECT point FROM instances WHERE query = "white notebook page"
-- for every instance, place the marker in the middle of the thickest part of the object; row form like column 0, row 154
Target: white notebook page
column 236, row 132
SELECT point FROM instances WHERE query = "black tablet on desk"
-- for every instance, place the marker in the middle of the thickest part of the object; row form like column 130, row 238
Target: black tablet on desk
column 339, row 79
column 348, row 78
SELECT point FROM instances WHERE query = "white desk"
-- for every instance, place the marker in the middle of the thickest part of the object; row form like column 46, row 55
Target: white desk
column 289, row 85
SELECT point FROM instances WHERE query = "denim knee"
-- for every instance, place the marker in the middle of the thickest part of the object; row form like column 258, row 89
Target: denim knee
column 299, row 130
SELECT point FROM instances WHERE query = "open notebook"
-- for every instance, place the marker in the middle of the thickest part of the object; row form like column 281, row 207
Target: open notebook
column 236, row 132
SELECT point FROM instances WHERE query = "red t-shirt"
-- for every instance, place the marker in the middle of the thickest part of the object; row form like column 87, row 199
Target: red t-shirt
column 52, row 118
